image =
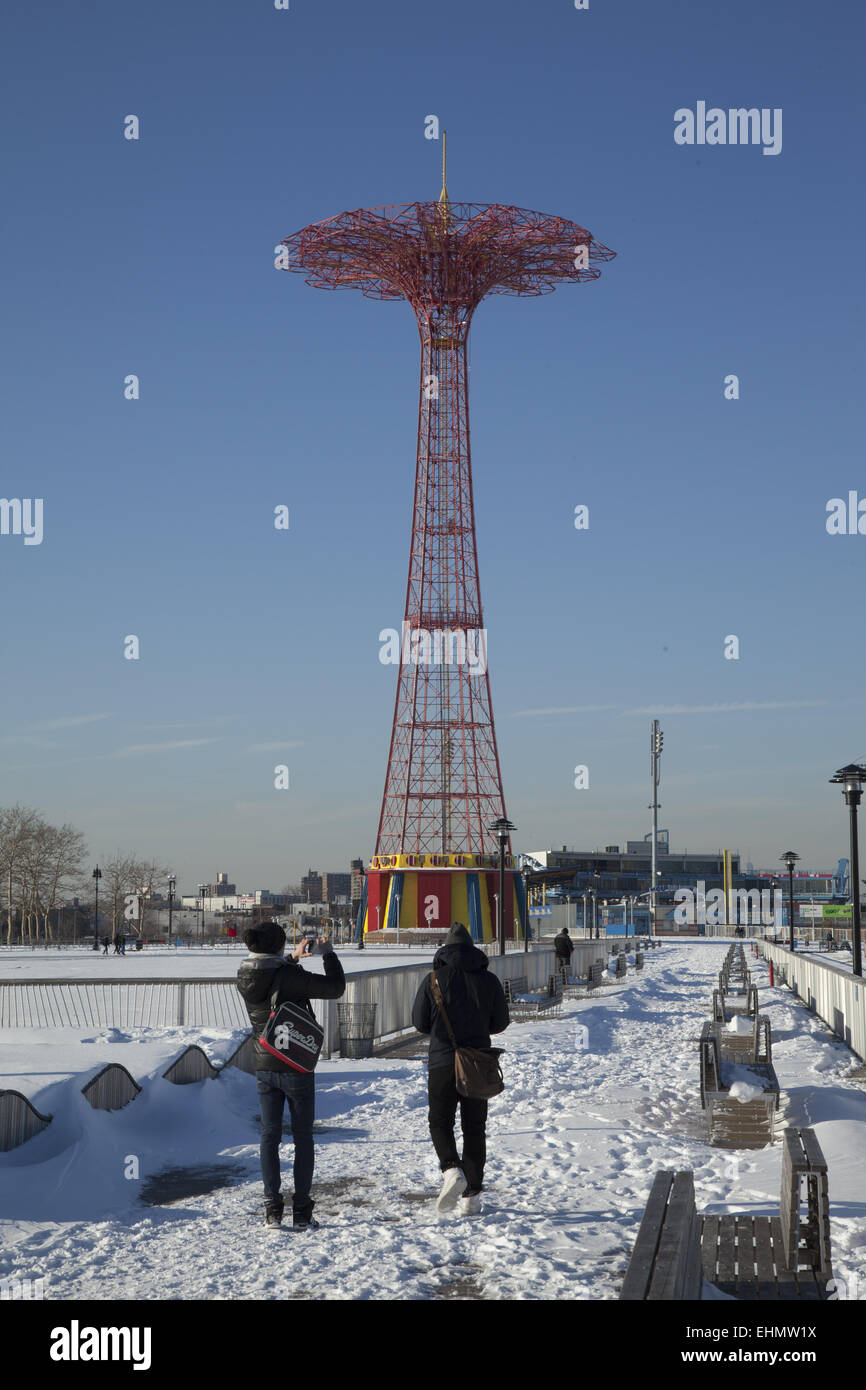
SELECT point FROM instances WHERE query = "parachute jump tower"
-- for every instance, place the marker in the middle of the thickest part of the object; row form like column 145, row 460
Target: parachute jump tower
column 436, row 855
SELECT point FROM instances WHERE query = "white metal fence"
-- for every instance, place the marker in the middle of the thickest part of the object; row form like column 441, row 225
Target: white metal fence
column 215, row 1003
column 835, row 995
column 123, row 1003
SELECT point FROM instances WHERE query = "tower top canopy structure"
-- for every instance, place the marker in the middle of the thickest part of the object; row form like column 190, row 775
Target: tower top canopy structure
column 441, row 254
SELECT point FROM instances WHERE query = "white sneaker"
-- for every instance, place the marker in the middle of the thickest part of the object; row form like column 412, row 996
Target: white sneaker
column 471, row 1204
column 453, row 1184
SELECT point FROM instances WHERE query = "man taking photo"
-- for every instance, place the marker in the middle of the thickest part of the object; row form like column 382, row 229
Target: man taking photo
column 264, row 972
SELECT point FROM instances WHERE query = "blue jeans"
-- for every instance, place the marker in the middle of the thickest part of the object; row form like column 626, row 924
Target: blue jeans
column 299, row 1089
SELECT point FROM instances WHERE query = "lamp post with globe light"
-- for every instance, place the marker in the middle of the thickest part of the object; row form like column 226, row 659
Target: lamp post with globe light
column 790, row 858
column 851, row 779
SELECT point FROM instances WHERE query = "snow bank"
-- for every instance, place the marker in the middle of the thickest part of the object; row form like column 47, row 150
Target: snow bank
column 574, row 1143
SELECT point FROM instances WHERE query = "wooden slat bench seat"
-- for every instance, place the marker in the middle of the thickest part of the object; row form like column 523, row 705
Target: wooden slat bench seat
column 763, row 1258
column 725, row 1005
column 783, row 1257
column 585, row 988
column 753, row 1048
column 524, row 1003
column 734, row 1122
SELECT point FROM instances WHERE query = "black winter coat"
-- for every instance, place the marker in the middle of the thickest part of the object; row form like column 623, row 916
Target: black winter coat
column 259, row 976
column 563, row 946
column 474, row 1001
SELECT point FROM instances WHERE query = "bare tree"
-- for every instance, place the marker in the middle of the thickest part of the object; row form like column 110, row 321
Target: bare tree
column 152, row 878
column 63, row 854
column 18, row 824
column 120, row 876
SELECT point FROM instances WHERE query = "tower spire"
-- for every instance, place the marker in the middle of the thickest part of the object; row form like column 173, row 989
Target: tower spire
column 444, row 200
column 443, row 196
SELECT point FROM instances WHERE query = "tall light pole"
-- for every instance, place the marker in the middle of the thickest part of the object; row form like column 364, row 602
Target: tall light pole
column 172, row 882
column 502, row 829
column 790, row 858
column 657, row 739
column 592, row 893
column 97, row 875
column 773, row 886
column 851, row 779
column 201, row 889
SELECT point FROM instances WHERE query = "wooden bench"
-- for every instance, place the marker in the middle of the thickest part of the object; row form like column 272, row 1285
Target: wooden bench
column 734, row 1122
column 524, row 1003
column 753, row 1048
column 725, row 1005
column 765, row 1258
column 572, row 986
column 777, row 1257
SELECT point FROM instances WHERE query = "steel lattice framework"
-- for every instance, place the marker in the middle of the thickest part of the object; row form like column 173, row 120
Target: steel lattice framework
column 443, row 785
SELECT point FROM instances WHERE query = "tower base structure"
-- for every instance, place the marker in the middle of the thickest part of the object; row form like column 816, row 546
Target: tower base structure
column 423, row 892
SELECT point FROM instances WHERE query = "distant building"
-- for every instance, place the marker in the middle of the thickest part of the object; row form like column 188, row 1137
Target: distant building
column 236, row 902
column 613, row 871
column 221, row 889
column 311, row 886
column 356, row 887
column 336, row 886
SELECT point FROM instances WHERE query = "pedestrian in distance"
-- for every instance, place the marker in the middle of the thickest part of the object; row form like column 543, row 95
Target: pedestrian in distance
column 117, row 940
column 563, row 946
column 475, row 1003
column 106, row 942
column 265, row 973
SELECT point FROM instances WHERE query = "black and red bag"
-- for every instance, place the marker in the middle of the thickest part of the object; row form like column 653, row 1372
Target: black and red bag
column 293, row 1035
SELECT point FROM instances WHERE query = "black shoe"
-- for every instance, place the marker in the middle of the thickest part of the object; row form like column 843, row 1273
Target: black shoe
column 303, row 1217
column 274, row 1211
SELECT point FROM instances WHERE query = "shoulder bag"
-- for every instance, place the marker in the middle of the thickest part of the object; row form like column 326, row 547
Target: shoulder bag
column 477, row 1072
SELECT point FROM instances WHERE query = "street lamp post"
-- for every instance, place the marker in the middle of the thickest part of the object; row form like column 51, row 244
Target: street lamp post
column 657, row 739
column 97, row 875
column 502, row 829
column 172, row 881
column 773, row 886
column 851, row 779
column 790, row 858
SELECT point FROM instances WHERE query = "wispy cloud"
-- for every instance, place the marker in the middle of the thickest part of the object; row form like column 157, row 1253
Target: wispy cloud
column 275, row 747
column 558, row 709
column 32, row 739
column 70, row 721
column 211, row 722
column 136, row 748
column 729, row 707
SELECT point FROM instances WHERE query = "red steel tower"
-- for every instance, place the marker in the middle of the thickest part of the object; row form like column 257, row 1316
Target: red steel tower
column 443, row 786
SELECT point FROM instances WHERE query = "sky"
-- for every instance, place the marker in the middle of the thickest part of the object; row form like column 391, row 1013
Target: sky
column 259, row 648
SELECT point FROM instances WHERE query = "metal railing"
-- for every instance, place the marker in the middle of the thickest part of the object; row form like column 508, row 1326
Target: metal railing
column 167, row 1002
column 833, row 994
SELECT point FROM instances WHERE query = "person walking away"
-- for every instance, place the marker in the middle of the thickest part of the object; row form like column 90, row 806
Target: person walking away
column 106, row 942
column 117, row 944
column 563, row 946
column 263, row 973
column 475, row 1003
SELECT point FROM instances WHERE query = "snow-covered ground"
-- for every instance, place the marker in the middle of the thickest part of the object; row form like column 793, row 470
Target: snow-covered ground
column 157, row 962
column 573, row 1142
